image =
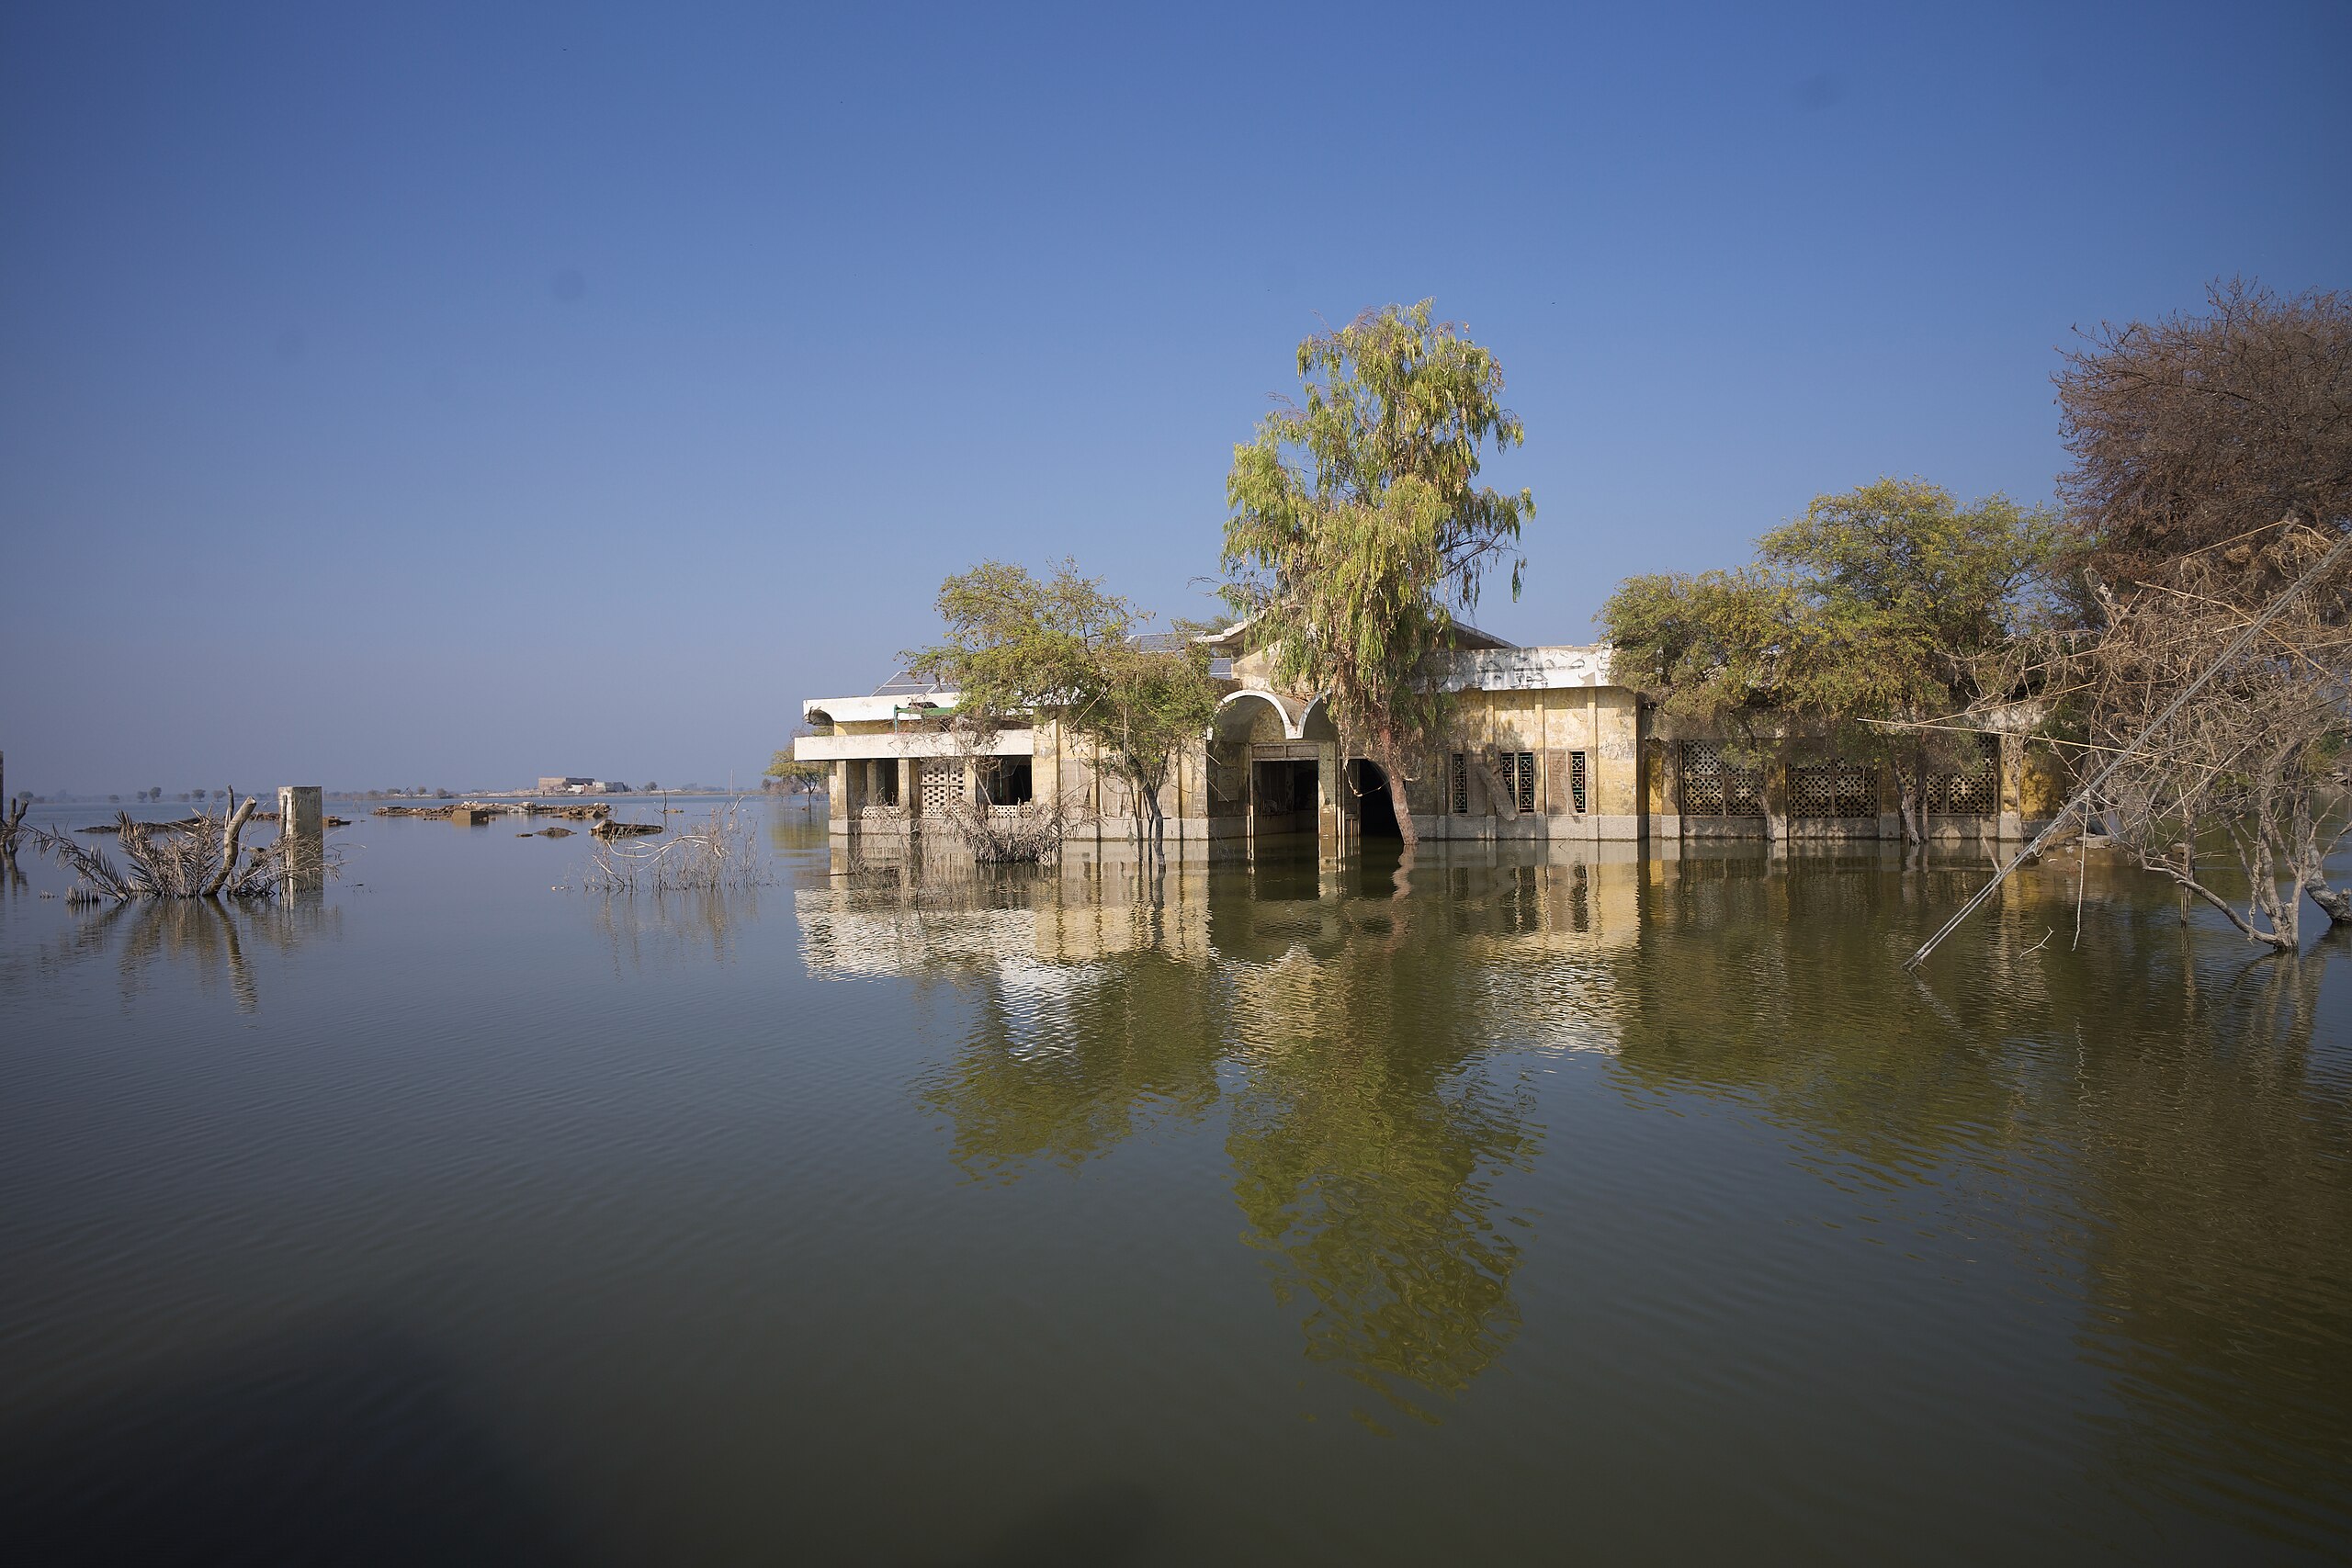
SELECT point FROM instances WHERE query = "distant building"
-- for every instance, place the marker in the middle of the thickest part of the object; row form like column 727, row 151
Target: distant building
column 576, row 785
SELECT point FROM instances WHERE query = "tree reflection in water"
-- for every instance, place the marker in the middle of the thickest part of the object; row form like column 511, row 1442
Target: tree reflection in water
column 2150, row 1115
column 1368, row 1117
column 213, row 941
column 2159, row 1094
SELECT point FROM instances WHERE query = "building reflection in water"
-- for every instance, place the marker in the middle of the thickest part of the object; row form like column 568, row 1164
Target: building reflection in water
column 2180, row 1117
column 1369, row 1056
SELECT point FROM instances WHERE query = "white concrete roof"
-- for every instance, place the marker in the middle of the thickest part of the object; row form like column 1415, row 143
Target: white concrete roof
column 863, row 710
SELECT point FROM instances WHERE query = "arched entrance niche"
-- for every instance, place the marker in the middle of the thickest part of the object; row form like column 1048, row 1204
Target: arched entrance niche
column 1264, row 780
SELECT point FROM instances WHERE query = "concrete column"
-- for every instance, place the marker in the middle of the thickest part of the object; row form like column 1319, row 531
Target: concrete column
column 302, row 828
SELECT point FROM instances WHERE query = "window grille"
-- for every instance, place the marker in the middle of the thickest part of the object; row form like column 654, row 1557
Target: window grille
column 1575, row 784
column 1458, row 774
column 942, row 783
column 1712, row 787
column 1518, row 779
column 1833, row 789
column 1976, row 791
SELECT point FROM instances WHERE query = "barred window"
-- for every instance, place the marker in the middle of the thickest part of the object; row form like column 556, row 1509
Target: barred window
column 1712, row 787
column 1458, row 777
column 1575, row 783
column 1833, row 789
column 1518, row 778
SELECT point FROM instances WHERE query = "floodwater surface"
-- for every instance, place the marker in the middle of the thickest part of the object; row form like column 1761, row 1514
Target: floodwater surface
column 1574, row 1208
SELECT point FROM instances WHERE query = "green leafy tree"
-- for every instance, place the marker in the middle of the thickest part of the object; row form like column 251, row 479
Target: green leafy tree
column 1022, row 648
column 789, row 773
column 1357, row 526
column 1887, row 604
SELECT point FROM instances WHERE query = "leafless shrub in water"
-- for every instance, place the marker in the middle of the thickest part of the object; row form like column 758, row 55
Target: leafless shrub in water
column 1010, row 835
column 722, row 854
column 2262, row 757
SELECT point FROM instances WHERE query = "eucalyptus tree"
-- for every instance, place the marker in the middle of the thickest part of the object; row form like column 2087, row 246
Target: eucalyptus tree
column 1357, row 527
column 1876, row 613
column 1020, row 648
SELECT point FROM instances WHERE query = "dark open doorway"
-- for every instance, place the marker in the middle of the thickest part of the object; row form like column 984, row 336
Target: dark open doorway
column 1376, row 807
column 1283, row 797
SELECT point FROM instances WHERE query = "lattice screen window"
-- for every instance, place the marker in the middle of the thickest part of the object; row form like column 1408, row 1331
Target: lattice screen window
column 1703, row 779
column 1518, row 778
column 1833, row 789
column 1458, row 779
column 1575, row 783
column 942, row 783
column 1712, row 787
column 1977, row 791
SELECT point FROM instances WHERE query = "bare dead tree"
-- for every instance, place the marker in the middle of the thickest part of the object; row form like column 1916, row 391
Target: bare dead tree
column 2192, row 431
column 2262, row 759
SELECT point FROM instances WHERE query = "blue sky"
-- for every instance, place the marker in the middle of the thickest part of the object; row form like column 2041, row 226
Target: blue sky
column 452, row 395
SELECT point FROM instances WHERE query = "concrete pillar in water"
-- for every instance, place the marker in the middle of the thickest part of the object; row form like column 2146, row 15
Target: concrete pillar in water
column 302, row 828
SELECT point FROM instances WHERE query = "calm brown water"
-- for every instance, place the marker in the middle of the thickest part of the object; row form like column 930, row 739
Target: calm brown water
column 1576, row 1210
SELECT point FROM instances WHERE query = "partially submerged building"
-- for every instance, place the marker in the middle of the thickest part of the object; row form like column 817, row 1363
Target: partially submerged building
column 1545, row 744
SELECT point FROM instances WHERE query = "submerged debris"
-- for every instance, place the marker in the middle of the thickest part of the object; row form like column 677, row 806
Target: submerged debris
column 608, row 828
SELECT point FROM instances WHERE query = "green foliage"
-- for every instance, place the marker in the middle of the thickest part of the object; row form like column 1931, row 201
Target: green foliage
column 1020, row 648
column 1886, row 603
column 1356, row 524
column 1880, row 603
column 794, row 774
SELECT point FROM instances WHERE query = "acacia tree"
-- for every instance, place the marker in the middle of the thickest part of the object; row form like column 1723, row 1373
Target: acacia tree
column 790, row 772
column 1357, row 526
column 1020, row 648
column 1876, row 613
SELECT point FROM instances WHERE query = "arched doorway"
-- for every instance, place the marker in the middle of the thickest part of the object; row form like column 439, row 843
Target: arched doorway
column 1375, row 806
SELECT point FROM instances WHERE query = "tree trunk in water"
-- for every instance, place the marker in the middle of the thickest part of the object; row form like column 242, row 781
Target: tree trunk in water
column 1911, row 798
column 229, row 849
column 1386, row 752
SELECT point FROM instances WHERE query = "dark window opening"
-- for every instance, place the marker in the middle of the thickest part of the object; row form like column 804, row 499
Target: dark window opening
column 882, row 781
column 1003, row 780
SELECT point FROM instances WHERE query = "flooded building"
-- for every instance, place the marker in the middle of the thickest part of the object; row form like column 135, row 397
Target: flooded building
column 1545, row 744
